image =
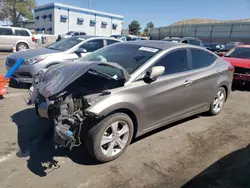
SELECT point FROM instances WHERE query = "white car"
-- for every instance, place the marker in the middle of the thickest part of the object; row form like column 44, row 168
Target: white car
column 65, row 49
column 15, row 38
column 73, row 33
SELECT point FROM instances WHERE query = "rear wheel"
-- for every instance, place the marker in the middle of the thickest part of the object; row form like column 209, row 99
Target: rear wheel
column 108, row 139
column 21, row 46
column 218, row 103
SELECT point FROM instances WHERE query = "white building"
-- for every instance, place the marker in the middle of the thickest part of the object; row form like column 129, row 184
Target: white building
column 55, row 18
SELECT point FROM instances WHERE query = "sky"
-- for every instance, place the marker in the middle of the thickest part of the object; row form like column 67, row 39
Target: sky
column 165, row 12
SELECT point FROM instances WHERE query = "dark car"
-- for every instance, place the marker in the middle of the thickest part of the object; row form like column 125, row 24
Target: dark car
column 213, row 46
column 149, row 84
column 186, row 40
column 228, row 46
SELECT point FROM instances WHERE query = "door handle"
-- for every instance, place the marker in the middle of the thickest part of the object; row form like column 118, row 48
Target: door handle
column 218, row 72
column 188, row 82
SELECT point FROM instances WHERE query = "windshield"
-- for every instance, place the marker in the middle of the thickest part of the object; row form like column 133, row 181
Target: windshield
column 65, row 44
column 129, row 56
column 239, row 53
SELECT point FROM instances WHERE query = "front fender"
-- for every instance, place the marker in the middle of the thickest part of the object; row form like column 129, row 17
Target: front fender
column 113, row 103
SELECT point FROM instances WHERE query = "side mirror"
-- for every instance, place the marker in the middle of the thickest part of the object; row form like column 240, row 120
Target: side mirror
column 81, row 50
column 153, row 73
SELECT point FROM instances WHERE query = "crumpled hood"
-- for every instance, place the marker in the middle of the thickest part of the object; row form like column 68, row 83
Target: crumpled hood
column 58, row 77
column 32, row 53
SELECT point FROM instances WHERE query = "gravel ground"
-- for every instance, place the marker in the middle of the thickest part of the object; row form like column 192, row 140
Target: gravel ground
column 200, row 151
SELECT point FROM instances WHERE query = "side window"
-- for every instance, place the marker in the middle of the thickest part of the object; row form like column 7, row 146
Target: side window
column 6, row 31
column 185, row 41
column 174, row 62
column 20, row 32
column 93, row 45
column 201, row 58
column 109, row 42
column 194, row 42
column 82, row 33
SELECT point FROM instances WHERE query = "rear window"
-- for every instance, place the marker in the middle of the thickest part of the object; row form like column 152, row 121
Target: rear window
column 6, row 31
column 21, row 32
column 194, row 42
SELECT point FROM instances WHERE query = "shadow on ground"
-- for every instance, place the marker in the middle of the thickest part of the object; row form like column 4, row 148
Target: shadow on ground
column 239, row 87
column 34, row 136
column 233, row 170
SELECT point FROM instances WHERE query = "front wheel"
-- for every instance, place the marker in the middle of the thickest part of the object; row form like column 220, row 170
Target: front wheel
column 218, row 103
column 108, row 139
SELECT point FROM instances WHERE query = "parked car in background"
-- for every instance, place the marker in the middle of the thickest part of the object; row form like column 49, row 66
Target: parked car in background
column 73, row 33
column 228, row 46
column 138, row 38
column 127, row 89
column 186, row 40
column 122, row 37
column 14, row 38
column 65, row 49
column 239, row 57
column 213, row 46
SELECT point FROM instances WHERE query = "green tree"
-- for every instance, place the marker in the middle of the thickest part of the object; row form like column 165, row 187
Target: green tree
column 149, row 26
column 134, row 27
column 13, row 10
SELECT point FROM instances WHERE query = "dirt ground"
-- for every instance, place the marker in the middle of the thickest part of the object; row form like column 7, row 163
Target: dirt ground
column 198, row 152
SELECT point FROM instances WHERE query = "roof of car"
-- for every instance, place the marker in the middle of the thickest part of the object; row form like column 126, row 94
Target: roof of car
column 89, row 36
column 154, row 43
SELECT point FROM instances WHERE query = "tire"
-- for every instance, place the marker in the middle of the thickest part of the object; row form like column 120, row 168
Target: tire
column 213, row 110
column 21, row 46
column 96, row 134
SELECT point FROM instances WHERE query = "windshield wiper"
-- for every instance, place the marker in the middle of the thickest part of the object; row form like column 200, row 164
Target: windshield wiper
column 102, row 74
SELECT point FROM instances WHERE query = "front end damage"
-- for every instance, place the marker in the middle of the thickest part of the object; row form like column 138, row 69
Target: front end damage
column 65, row 103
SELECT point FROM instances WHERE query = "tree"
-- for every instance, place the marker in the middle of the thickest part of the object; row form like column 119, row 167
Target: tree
column 149, row 26
column 134, row 27
column 13, row 10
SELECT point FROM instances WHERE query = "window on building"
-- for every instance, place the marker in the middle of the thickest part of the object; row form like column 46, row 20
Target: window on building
column 114, row 26
column 6, row 31
column 174, row 62
column 21, row 32
column 92, row 23
column 201, row 58
column 93, row 45
column 104, row 25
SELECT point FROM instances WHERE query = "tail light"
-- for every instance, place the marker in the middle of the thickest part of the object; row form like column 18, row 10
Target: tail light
column 33, row 39
column 231, row 68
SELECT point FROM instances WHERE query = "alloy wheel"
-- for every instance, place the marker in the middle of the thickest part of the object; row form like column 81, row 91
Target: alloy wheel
column 115, row 138
column 219, row 101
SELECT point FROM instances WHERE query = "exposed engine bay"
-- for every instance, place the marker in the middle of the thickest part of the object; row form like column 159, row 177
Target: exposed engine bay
column 66, row 109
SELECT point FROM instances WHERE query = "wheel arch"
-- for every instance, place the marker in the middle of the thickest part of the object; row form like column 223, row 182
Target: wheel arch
column 131, row 114
column 226, row 89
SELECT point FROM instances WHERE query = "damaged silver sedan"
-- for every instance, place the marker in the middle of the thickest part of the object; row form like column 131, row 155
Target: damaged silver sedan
column 106, row 98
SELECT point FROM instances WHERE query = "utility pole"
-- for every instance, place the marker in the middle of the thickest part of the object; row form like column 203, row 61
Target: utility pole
column 89, row 4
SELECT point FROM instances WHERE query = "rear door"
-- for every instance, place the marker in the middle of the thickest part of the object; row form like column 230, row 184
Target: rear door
column 6, row 38
column 204, row 78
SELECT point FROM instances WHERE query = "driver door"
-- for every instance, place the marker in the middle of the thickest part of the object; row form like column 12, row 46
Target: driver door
column 92, row 45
